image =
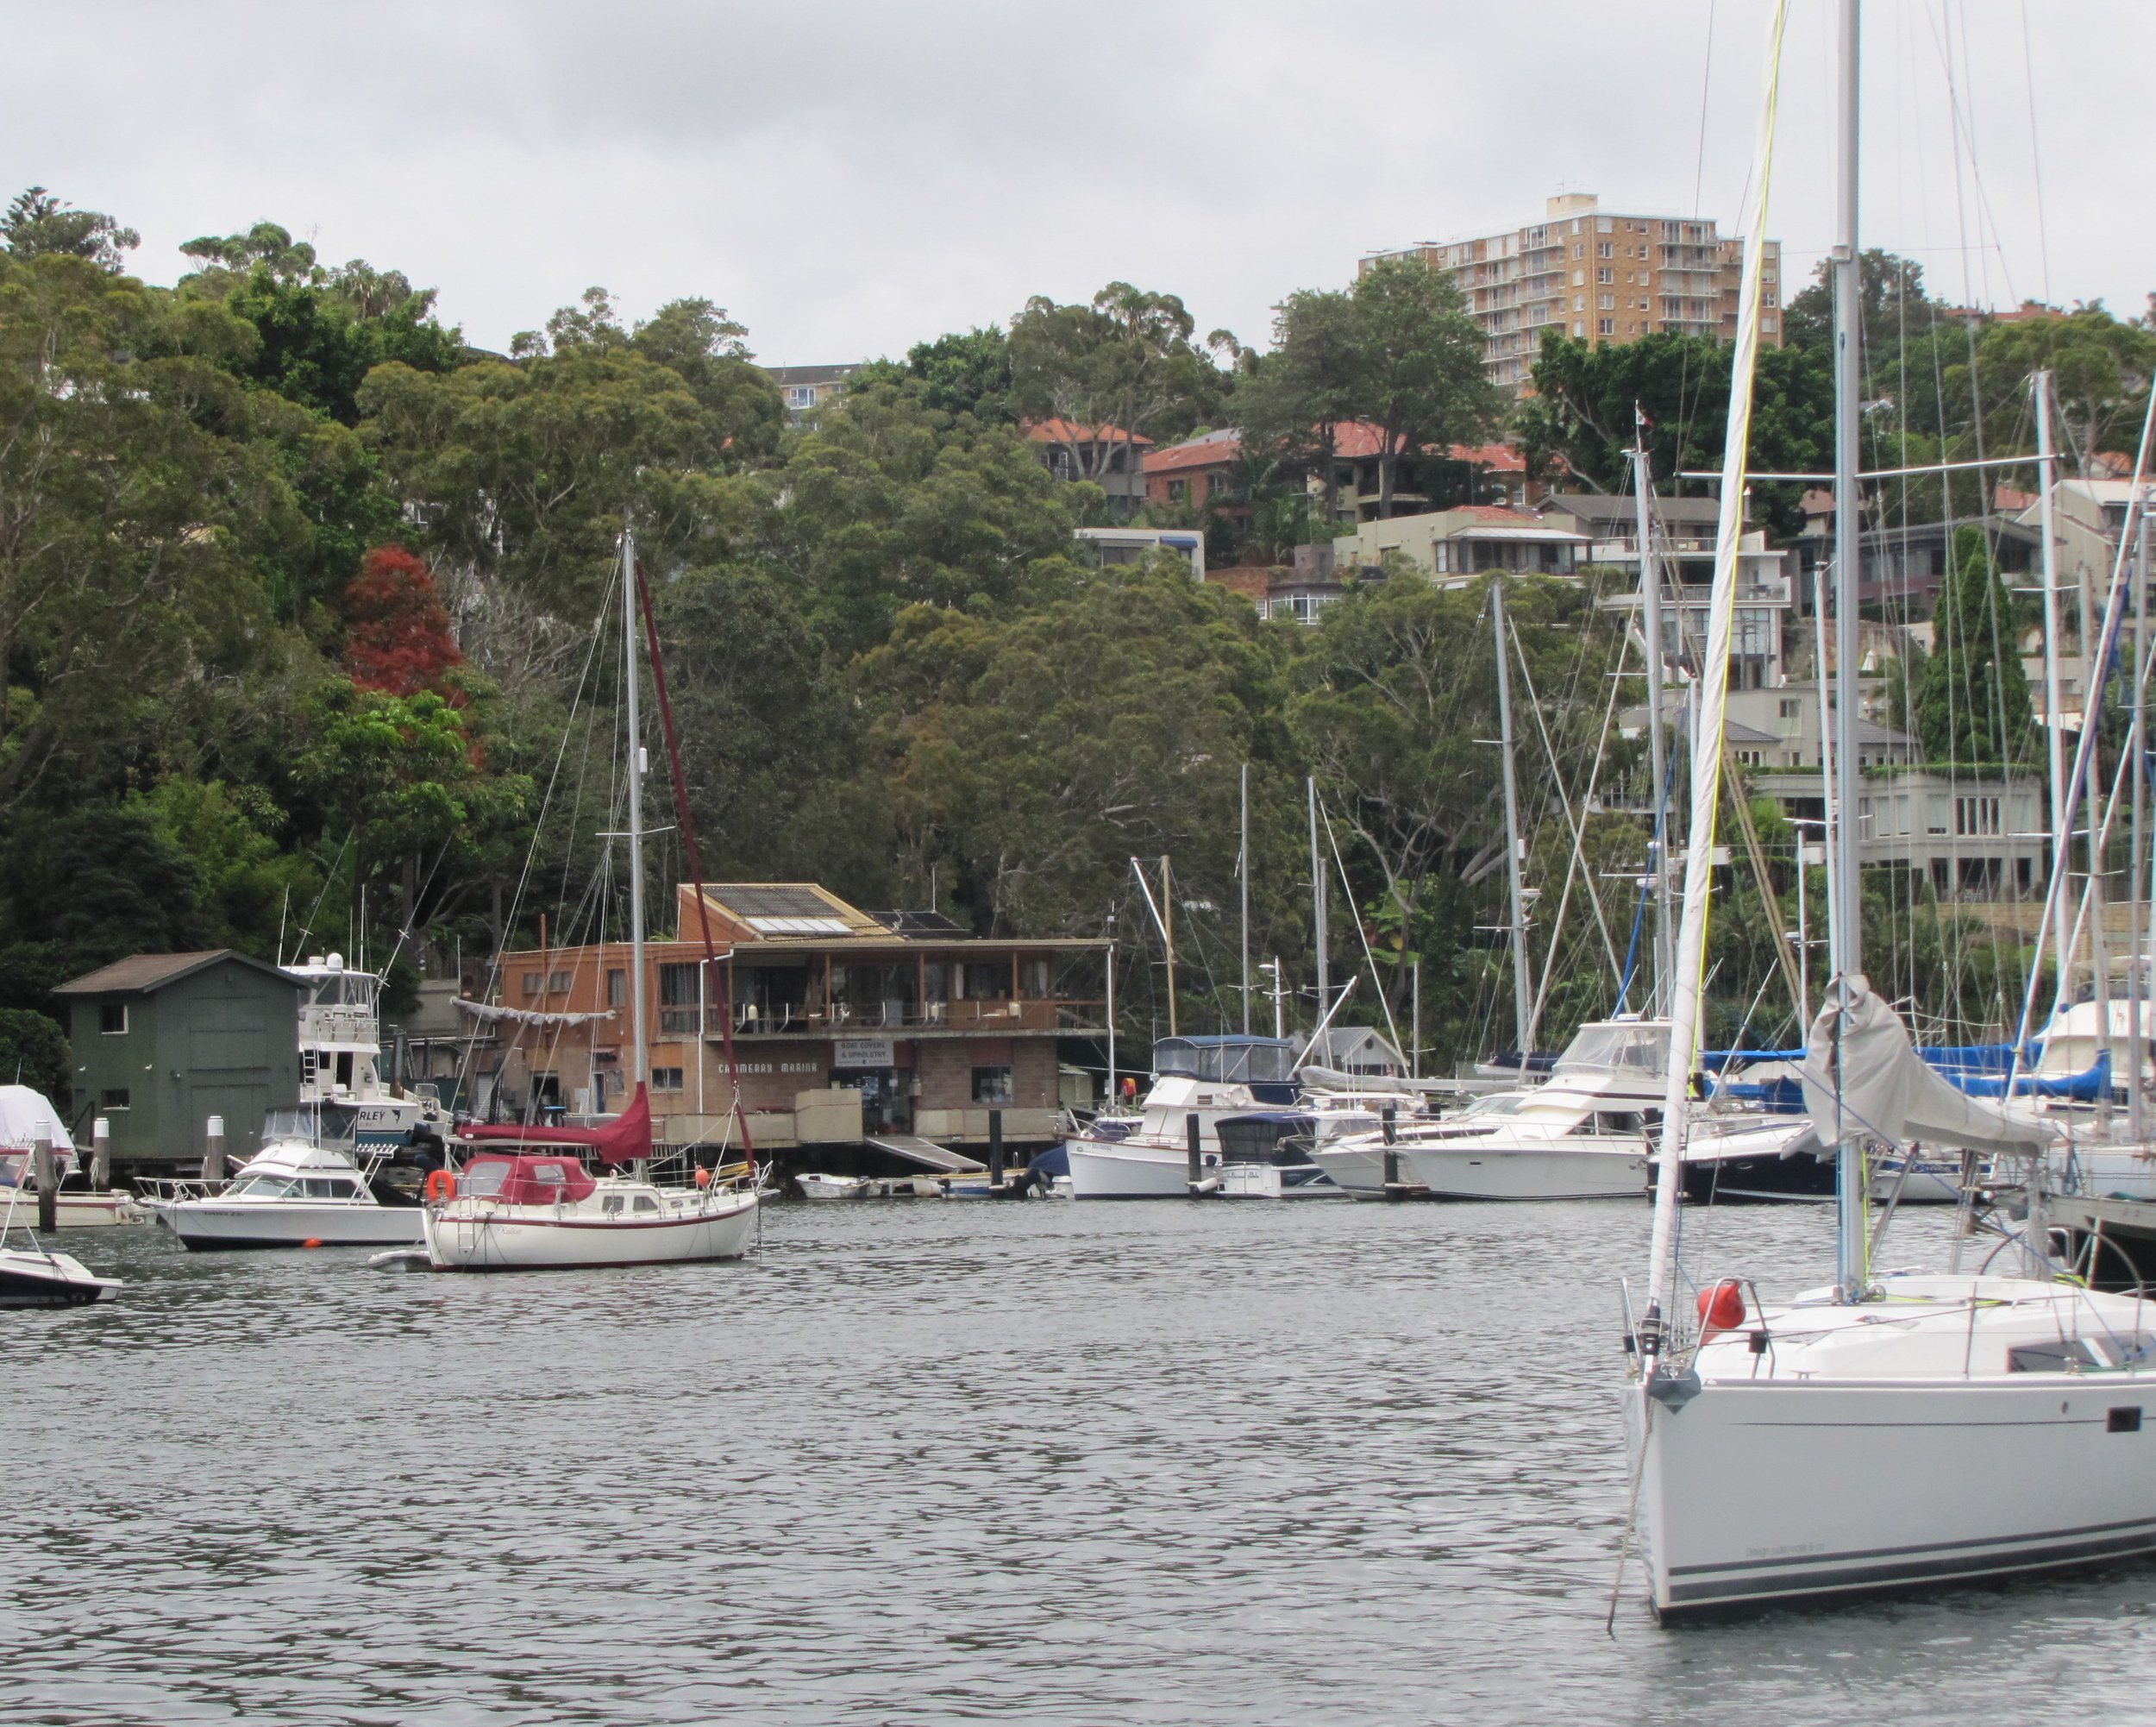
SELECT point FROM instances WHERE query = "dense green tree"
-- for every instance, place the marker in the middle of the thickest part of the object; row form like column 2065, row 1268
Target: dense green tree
column 1126, row 360
column 33, row 1052
column 1418, row 366
column 1292, row 403
column 1972, row 705
column 967, row 373
column 38, row 224
column 141, row 515
column 1585, row 399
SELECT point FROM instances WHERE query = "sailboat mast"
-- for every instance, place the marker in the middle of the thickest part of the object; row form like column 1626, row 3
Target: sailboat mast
column 1658, row 750
column 636, row 811
column 1317, row 903
column 1245, row 871
column 2136, row 908
column 2055, row 734
column 1167, row 936
column 1522, row 993
column 1850, row 1242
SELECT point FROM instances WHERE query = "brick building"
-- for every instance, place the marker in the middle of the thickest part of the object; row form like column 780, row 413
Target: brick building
column 845, row 1023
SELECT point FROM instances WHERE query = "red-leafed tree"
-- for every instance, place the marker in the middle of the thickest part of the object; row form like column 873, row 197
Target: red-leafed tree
column 396, row 632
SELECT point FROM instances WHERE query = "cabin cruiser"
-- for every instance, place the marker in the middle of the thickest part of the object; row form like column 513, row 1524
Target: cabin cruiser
column 305, row 1188
column 27, row 1116
column 523, row 1201
column 1581, row 1134
column 340, row 1056
column 1297, row 1153
column 1207, row 1079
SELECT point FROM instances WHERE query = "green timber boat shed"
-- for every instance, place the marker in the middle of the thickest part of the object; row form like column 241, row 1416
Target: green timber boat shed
column 164, row 1041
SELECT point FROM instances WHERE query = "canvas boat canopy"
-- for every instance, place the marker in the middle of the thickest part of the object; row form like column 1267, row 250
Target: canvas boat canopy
column 1888, row 1091
column 26, row 1117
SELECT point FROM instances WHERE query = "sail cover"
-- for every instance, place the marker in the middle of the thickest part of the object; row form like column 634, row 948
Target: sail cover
column 529, row 1016
column 1887, row 1091
column 27, row 1117
column 621, row 1141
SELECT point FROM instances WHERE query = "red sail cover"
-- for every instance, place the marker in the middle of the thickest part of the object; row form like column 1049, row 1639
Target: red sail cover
column 621, row 1141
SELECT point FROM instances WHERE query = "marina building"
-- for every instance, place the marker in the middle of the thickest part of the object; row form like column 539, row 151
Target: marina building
column 847, row 1025
column 1599, row 277
column 164, row 1041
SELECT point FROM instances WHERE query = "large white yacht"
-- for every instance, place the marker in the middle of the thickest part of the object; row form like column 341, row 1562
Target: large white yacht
column 1581, row 1134
column 341, row 1056
column 1210, row 1078
column 307, row 1187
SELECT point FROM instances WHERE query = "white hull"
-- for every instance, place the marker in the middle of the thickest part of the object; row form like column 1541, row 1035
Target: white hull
column 1784, row 1490
column 1528, row 1172
column 1356, row 1169
column 208, row 1225
column 83, row 1209
column 468, row 1235
column 1946, row 1428
column 1120, row 1169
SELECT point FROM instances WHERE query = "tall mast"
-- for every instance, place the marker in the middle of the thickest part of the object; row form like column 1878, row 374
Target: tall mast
column 1245, row 871
column 635, row 809
column 1850, row 1237
column 1167, row 936
column 1317, row 904
column 2055, row 736
column 2136, row 908
column 1658, row 750
column 1521, row 993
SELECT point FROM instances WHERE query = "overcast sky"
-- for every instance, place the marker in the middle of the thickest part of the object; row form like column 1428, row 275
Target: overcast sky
column 850, row 177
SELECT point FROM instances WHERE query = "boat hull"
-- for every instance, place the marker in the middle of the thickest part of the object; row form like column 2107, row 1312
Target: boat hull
column 84, row 1209
column 1120, row 1169
column 206, row 1225
column 1887, row 1486
column 48, row 1280
column 481, row 1237
column 1353, row 1169
column 1765, row 1177
column 1471, row 1171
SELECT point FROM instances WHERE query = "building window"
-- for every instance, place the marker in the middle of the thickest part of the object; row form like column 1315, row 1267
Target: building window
column 616, row 989
column 1975, row 817
column 531, row 983
column 1178, row 490
column 1216, row 484
column 557, row 982
column 112, row 1019
column 666, row 1079
column 116, row 1098
column 1609, row 302
column 1608, row 326
column 992, row 1085
column 677, row 1000
column 1791, row 708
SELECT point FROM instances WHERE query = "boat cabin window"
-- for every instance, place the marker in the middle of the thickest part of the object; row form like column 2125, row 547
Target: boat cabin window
column 611, row 1205
column 1618, row 1121
column 329, row 1187
column 2066, row 1356
column 483, row 1179
column 1622, row 1048
column 545, row 1175
column 646, row 1202
column 1500, row 1103
column 263, row 1186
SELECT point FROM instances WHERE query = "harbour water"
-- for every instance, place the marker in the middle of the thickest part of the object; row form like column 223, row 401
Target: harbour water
column 927, row 1462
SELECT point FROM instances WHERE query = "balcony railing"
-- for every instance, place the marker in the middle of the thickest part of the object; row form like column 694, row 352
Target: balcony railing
column 990, row 1015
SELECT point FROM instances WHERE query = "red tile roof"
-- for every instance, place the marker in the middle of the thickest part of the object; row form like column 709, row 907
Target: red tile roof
column 1069, row 431
column 1214, row 449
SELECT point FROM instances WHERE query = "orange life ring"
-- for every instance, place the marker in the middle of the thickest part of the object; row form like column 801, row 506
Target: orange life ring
column 441, row 1185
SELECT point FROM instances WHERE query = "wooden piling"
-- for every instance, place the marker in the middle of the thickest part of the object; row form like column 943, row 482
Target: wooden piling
column 47, row 1187
column 995, row 1152
column 1196, row 1164
column 213, row 1152
column 101, row 1154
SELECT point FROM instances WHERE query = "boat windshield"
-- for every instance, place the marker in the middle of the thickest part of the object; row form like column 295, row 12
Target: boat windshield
column 1498, row 1103
column 263, row 1186
column 484, row 1177
column 336, row 1126
column 1231, row 1061
column 1641, row 1049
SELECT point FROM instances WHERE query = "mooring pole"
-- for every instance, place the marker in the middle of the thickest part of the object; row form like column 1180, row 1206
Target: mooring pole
column 48, row 1189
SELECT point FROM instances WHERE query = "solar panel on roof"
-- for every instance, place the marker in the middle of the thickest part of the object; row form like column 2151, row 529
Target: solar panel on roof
column 774, row 902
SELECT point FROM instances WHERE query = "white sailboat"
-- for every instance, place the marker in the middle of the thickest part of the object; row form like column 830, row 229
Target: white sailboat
column 1909, row 1429
column 522, row 1199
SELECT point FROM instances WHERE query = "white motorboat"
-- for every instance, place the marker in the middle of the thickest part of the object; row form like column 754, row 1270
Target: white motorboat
column 340, row 1056
column 522, row 1201
column 1207, row 1078
column 814, row 1186
column 1581, row 1134
column 303, row 1189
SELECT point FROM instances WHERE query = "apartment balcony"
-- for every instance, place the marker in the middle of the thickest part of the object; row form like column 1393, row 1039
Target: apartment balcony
column 981, row 1018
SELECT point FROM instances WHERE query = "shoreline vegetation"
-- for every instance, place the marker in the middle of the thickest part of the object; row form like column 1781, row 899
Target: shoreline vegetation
column 302, row 600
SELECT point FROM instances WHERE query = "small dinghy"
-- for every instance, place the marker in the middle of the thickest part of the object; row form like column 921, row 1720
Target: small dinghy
column 37, row 1276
